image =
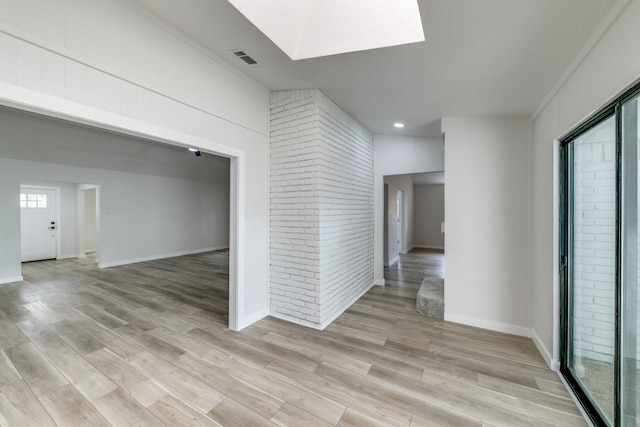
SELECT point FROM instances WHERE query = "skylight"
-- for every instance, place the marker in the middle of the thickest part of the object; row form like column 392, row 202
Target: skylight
column 313, row 28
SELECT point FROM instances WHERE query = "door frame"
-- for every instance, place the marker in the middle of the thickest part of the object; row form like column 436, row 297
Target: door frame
column 49, row 106
column 58, row 213
column 402, row 249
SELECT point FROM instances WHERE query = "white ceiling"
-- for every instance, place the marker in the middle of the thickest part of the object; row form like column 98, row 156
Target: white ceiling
column 481, row 57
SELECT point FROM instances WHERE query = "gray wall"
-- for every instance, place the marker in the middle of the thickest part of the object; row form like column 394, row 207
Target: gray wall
column 428, row 215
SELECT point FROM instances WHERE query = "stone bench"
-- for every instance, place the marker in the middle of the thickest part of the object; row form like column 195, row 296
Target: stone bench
column 430, row 299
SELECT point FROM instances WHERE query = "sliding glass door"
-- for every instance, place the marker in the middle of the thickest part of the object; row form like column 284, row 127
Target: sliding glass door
column 628, row 294
column 600, row 264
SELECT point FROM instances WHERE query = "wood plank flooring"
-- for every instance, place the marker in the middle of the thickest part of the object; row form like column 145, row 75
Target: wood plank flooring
column 147, row 344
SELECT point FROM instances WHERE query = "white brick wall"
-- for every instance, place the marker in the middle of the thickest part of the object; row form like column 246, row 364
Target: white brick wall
column 321, row 208
column 594, row 245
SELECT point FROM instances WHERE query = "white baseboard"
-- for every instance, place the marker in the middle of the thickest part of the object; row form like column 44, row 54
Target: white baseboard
column 487, row 324
column 5, row 280
column 295, row 320
column 378, row 282
column 345, row 307
column 440, row 248
column 407, row 250
column 158, row 256
column 552, row 363
column 326, row 323
column 394, row 260
column 251, row 319
column 70, row 256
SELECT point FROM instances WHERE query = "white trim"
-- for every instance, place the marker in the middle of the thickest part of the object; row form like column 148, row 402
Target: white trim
column 553, row 364
column 595, row 37
column 487, row 324
column 252, row 318
column 378, row 282
column 237, row 215
column 428, row 247
column 69, row 256
column 324, row 324
column 394, row 260
column 50, row 106
column 155, row 257
column 58, row 215
column 6, row 280
column 555, row 350
column 346, row 307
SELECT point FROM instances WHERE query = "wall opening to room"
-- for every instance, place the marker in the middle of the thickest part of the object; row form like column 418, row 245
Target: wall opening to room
column 414, row 221
column 147, row 201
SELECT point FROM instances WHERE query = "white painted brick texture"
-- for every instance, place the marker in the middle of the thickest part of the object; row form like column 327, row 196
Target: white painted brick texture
column 594, row 246
column 321, row 208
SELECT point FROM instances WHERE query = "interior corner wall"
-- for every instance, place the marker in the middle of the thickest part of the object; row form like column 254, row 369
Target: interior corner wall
column 110, row 58
column 428, row 205
column 402, row 183
column 321, row 216
column 398, row 155
column 487, row 198
column 606, row 70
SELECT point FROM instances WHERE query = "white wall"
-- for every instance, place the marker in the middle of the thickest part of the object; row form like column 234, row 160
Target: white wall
column 106, row 62
column 428, row 208
column 487, row 219
column 396, row 183
column 397, row 155
column 606, row 70
column 90, row 221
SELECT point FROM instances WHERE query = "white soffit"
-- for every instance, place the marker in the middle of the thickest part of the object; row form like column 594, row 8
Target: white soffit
column 312, row 28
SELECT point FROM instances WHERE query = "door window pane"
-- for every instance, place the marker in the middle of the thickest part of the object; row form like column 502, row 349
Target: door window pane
column 592, row 249
column 629, row 343
column 33, row 201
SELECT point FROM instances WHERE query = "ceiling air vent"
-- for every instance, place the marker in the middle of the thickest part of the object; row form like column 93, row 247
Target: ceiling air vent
column 246, row 58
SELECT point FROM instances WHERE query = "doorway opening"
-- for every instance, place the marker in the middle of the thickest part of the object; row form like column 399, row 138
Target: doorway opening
column 89, row 231
column 413, row 229
column 86, row 239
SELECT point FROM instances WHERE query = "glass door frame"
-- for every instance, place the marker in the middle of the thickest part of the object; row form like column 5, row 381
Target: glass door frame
column 626, row 206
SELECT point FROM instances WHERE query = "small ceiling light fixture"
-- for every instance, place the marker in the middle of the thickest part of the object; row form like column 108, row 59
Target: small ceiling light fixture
column 195, row 151
column 398, row 125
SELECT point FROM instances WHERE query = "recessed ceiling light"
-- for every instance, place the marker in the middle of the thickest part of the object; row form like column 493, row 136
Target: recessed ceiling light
column 398, row 125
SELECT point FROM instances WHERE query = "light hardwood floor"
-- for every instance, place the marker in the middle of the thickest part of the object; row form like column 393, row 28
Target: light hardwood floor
column 147, row 344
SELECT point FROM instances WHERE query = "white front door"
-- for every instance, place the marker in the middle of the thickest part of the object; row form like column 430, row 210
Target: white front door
column 38, row 223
